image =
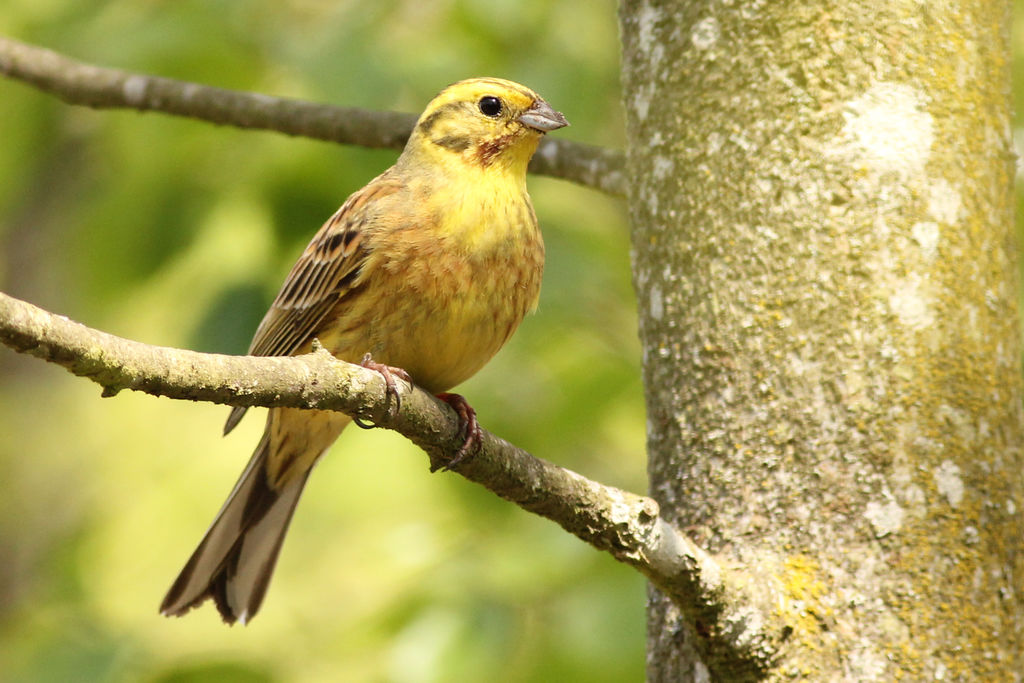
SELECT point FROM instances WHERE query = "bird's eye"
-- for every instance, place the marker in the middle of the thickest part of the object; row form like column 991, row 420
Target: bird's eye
column 489, row 106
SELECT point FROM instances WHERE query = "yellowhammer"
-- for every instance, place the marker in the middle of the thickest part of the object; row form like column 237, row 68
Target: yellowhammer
column 429, row 268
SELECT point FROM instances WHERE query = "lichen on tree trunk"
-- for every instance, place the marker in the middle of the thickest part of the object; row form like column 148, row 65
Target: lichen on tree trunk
column 824, row 259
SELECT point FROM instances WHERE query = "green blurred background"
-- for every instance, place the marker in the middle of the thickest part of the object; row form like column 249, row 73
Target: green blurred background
column 177, row 232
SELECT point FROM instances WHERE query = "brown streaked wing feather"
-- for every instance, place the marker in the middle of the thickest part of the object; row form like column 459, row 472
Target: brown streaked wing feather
column 318, row 280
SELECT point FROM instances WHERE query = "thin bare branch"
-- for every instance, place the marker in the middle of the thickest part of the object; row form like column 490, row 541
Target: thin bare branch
column 623, row 524
column 77, row 82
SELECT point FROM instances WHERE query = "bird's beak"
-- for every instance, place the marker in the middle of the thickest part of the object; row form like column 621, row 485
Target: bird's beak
column 540, row 116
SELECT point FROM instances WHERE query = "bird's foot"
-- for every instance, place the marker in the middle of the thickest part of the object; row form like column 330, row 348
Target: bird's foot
column 388, row 372
column 469, row 426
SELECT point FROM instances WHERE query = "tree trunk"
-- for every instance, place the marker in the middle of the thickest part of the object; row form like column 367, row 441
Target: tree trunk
column 821, row 205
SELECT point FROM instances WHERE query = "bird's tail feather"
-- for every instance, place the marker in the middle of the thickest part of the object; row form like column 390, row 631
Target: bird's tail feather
column 235, row 560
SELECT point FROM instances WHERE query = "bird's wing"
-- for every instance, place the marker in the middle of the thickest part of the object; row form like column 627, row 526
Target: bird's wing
column 319, row 280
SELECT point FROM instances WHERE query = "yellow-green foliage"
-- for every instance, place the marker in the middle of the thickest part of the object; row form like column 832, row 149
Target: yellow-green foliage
column 177, row 232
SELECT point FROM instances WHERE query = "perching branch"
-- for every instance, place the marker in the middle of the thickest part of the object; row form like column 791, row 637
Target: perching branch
column 94, row 86
column 627, row 526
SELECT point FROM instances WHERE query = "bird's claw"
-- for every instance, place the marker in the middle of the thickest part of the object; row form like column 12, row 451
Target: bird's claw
column 469, row 426
column 388, row 372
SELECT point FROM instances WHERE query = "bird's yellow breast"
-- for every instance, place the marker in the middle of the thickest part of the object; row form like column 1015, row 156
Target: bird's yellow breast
column 462, row 275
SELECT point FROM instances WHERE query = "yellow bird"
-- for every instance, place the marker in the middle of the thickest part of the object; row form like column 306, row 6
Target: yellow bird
column 424, row 273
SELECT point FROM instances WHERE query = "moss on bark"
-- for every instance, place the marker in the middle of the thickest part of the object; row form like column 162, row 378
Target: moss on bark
column 825, row 265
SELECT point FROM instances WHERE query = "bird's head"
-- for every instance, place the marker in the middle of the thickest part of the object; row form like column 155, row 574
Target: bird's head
column 484, row 122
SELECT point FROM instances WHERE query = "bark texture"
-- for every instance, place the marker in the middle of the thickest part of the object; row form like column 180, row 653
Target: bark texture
column 824, row 259
column 625, row 525
column 95, row 86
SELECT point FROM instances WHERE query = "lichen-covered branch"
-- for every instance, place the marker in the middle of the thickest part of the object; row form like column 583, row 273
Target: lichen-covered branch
column 77, row 82
column 623, row 524
column 825, row 262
